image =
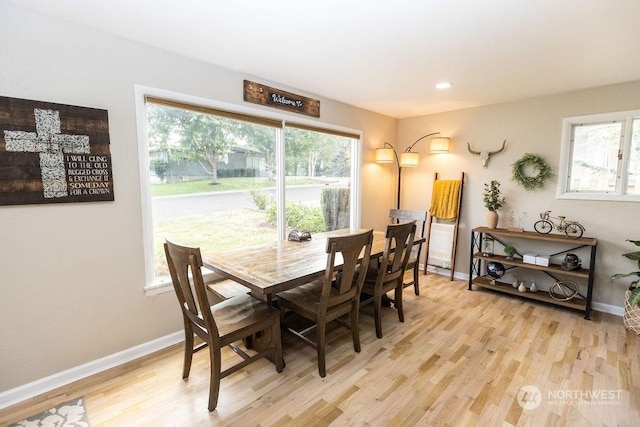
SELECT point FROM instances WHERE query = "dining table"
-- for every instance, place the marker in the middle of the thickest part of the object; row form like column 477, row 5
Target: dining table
column 275, row 267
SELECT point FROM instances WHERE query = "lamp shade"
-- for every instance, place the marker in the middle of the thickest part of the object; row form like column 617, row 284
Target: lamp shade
column 439, row 145
column 384, row 155
column 409, row 159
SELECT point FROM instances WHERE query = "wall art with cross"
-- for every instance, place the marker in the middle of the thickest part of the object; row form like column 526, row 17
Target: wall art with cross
column 53, row 153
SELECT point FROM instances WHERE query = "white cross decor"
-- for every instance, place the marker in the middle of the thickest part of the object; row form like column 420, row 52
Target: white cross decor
column 51, row 144
column 72, row 144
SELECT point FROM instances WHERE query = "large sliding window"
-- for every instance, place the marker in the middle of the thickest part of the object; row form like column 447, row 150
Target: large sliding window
column 220, row 179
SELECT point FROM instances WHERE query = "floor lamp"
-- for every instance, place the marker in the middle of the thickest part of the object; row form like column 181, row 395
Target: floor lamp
column 408, row 158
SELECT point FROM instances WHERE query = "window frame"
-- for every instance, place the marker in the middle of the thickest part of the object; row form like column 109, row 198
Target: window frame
column 566, row 157
column 156, row 285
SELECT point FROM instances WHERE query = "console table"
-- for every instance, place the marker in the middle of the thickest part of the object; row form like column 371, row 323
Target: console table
column 512, row 238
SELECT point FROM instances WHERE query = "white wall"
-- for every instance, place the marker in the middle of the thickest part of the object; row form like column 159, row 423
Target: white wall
column 72, row 275
column 533, row 126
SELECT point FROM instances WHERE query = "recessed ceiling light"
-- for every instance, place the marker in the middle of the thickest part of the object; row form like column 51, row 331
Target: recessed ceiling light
column 443, row 85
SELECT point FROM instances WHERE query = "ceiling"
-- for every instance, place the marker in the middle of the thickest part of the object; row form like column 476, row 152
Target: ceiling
column 383, row 55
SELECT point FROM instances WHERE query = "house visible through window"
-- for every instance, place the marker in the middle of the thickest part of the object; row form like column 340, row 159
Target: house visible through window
column 220, row 180
column 601, row 157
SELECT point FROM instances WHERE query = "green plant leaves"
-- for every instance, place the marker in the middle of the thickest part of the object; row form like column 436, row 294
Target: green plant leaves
column 492, row 197
column 634, row 298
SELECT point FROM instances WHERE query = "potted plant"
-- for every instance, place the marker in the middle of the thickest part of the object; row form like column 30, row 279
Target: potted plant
column 493, row 201
column 510, row 251
column 632, row 295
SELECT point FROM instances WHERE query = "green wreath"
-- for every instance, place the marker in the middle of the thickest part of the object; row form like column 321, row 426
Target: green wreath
column 532, row 161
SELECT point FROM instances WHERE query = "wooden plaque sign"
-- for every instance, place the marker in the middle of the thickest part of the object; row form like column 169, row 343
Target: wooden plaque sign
column 53, row 153
column 265, row 95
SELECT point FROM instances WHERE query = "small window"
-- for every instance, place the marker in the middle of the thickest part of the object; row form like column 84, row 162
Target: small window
column 600, row 158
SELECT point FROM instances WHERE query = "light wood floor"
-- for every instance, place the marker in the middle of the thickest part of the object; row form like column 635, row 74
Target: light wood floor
column 459, row 359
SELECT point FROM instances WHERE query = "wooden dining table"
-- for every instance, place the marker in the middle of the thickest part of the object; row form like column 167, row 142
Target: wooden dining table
column 278, row 266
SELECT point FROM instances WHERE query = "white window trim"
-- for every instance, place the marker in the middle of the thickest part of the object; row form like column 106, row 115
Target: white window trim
column 565, row 156
column 154, row 286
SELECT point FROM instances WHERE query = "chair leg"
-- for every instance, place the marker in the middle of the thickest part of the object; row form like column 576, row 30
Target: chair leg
column 377, row 315
column 321, row 341
column 398, row 302
column 355, row 329
column 416, row 285
column 188, row 349
column 214, row 381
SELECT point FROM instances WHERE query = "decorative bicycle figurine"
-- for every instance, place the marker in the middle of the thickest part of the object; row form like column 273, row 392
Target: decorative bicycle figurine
column 571, row 228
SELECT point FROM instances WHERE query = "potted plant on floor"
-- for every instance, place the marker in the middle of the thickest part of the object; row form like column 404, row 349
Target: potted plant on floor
column 493, row 201
column 631, row 316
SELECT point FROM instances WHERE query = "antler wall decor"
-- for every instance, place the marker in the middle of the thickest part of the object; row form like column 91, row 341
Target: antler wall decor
column 484, row 155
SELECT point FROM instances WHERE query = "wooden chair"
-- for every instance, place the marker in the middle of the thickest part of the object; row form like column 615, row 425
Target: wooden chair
column 222, row 324
column 390, row 272
column 398, row 216
column 335, row 295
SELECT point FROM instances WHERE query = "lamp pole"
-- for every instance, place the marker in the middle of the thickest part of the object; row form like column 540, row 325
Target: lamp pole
column 399, row 186
column 420, row 139
column 395, row 155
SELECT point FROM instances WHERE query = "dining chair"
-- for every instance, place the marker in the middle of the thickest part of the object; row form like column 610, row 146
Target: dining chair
column 223, row 324
column 389, row 273
column 335, row 295
column 397, row 216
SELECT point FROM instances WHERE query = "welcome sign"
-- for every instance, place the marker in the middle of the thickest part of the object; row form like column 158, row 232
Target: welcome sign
column 265, row 95
column 53, row 153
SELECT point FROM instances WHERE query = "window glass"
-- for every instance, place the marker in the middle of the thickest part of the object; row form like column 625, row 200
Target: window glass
column 595, row 157
column 633, row 179
column 318, row 171
column 211, row 180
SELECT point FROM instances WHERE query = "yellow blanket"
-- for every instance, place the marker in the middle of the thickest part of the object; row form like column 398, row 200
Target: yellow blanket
column 444, row 201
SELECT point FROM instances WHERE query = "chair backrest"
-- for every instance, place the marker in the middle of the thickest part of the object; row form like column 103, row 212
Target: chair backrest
column 185, row 265
column 345, row 282
column 399, row 216
column 399, row 242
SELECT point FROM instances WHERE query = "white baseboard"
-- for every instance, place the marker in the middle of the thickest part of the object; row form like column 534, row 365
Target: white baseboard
column 43, row 385
column 608, row 308
column 445, row 272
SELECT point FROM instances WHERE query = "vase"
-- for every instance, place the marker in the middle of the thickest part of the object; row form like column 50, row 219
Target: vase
column 492, row 219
